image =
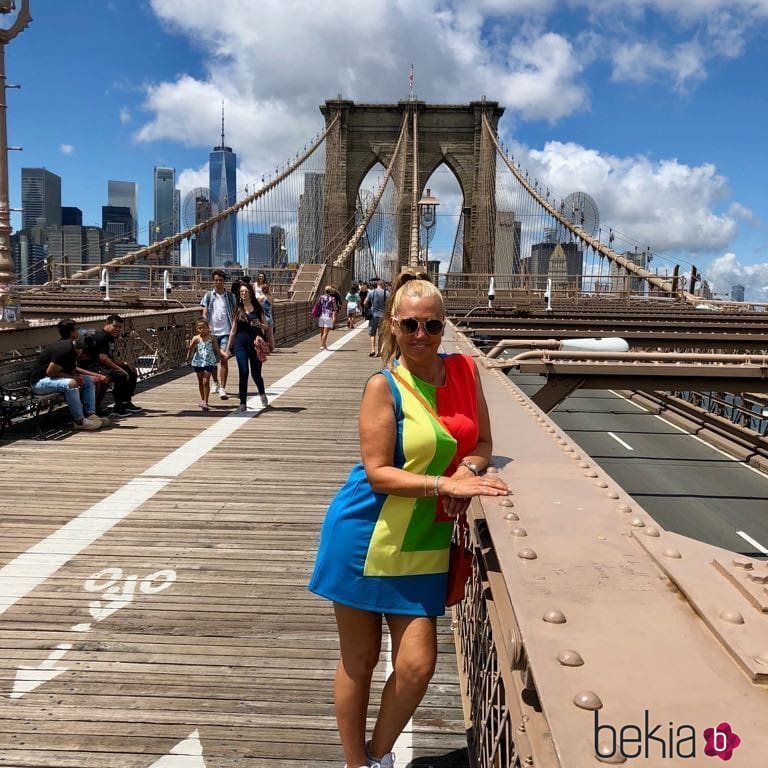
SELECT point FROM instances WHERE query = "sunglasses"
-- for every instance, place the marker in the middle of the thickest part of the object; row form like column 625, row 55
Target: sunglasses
column 410, row 325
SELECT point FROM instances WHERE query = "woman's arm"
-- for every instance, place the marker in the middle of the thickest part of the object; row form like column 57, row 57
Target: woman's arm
column 378, row 431
column 216, row 347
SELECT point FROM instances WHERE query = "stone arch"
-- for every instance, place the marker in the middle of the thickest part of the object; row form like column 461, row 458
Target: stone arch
column 451, row 134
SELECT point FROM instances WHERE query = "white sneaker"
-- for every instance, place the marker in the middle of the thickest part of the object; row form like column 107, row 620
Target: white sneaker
column 88, row 426
column 98, row 420
column 223, row 393
column 264, row 401
column 385, row 761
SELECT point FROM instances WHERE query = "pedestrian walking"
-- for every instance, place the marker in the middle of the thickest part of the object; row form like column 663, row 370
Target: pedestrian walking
column 203, row 354
column 328, row 308
column 248, row 325
column 219, row 309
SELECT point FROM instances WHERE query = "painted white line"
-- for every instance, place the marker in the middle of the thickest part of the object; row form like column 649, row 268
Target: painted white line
column 42, row 560
column 30, row 569
column 186, row 754
column 631, row 402
column 403, row 747
column 621, row 442
column 695, row 437
column 756, row 544
column 193, row 450
column 712, row 447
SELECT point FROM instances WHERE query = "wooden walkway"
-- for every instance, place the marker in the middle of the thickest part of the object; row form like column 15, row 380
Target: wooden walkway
column 153, row 608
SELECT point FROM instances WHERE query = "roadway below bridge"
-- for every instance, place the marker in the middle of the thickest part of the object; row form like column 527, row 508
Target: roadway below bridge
column 687, row 485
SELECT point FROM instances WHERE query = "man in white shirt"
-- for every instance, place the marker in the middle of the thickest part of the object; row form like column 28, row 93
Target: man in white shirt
column 219, row 310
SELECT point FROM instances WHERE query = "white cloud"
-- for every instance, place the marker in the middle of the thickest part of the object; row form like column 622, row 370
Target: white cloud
column 125, row 116
column 666, row 204
column 727, row 271
column 272, row 76
column 66, row 149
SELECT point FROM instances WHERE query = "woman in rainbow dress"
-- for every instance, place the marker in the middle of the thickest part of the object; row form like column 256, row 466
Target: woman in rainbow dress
column 425, row 437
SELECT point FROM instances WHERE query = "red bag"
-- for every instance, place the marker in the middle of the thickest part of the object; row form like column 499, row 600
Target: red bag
column 459, row 566
column 316, row 309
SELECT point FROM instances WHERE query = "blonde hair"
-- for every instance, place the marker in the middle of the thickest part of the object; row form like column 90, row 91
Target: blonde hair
column 407, row 287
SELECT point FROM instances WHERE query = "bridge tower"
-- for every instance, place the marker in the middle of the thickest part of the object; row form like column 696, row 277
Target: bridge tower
column 447, row 133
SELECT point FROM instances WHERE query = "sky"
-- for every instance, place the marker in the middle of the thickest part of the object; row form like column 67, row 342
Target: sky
column 656, row 108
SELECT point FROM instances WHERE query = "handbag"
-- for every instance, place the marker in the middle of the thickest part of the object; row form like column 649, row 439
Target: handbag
column 459, row 565
column 315, row 311
column 460, row 558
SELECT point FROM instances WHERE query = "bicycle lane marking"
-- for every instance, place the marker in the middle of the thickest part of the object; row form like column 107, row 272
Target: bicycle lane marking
column 30, row 569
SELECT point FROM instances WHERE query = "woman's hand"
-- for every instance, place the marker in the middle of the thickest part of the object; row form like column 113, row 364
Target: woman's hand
column 464, row 488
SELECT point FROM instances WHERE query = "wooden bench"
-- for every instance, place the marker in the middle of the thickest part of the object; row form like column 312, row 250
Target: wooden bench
column 17, row 398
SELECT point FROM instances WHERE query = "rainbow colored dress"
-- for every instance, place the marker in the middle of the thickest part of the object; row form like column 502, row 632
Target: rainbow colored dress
column 389, row 554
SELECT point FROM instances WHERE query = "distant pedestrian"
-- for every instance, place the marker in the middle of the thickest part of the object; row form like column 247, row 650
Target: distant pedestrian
column 376, row 302
column 353, row 306
column 219, row 309
column 248, row 325
column 203, row 354
column 328, row 309
column 336, row 295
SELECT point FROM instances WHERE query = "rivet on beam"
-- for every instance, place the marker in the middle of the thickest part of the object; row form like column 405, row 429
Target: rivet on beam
column 569, row 658
column 511, row 516
column 527, row 554
column 624, row 509
column 587, row 700
column 506, row 503
column 741, row 562
column 601, row 484
column 613, row 495
column 519, row 533
column 554, row 617
column 652, row 532
column 590, row 473
column 607, row 753
column 731, row 616
column 672, row 554
column 637, row 523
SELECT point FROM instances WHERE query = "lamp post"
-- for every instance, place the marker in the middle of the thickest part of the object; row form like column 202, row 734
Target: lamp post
column 427, row 218
column 6, row 257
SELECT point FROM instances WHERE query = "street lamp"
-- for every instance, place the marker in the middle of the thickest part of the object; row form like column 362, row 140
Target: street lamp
column 6, row 258
column 427, row 218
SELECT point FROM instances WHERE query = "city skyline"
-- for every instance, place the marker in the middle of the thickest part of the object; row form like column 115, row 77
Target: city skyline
column 651, row 110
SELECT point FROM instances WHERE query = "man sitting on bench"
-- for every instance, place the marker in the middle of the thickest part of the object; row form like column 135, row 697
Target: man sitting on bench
column 56, row 370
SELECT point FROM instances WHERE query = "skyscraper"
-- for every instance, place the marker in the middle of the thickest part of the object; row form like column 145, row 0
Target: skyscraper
column 164, row 188
column 125, row 194
column 507, row 257
column 222, row 164
column 310, row 219
column 40, row 198
column 118, row 222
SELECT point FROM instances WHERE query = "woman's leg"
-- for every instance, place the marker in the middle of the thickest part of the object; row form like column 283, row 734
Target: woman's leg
column 241, row 355
column 414, row 655
column 200, row 385
column 360, row 646
column 256, row 371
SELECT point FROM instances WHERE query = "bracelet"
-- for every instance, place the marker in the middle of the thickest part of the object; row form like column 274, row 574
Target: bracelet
column 425, row 485
column 473, row 468
column 436, row 489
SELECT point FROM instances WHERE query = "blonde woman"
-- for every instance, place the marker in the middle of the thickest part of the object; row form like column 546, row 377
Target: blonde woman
column 385, row 540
